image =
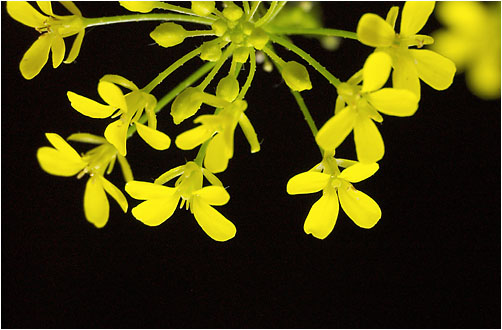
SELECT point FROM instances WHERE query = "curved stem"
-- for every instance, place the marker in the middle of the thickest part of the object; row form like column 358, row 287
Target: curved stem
column 319, row 31
column 316, row 65
column 268, row 15
column 254, row 7
column 88, row 22
column 170, row 70
column 252, row 70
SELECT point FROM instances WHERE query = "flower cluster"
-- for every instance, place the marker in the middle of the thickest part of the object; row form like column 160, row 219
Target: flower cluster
column 239, row 36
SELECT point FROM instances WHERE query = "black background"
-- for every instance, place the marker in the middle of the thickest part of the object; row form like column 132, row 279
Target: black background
column 433, row 260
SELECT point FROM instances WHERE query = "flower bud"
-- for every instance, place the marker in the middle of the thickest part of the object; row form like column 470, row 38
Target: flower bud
column 138, row 6
column 241, row 54
column 203, row 8
column 228, row 88
column 210, row 51
column 258, row 38
column 186, row 104
column 233, row 12
column 296, row 76
column 219, row 27
column 168, row 34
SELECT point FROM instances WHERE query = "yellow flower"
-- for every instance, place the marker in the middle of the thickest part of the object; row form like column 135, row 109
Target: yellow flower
column 53, row 29
column 63, row 160
column 357, row 106
column 472, row 40
column 130, row 108
column 336, row 186
column 219, row 127
column 409, row 64
column 161, row 201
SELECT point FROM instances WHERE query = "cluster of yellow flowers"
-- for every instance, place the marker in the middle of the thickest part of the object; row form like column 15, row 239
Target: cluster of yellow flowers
column 238, row 34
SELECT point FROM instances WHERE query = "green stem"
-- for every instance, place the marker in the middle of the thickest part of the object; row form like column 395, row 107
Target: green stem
column 167, row 6
column 252, row 70
column 154, row 83
column 277, row 10
column 316, row 65
column 173, row 93
column 305, row 112
column 88, row 22
column 254, row 7
column 274, row 57
column 268, row 15
column 201, row 153
column 319, row 31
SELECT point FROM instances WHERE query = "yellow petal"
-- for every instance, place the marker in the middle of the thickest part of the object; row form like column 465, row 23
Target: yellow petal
column 359, row 172
column 483, row 79
column 45, row 7
column 75, row 48
column 169, row 175
column 71, row 7
column 58, row 49
column 394, row 102
column 374, row 31
column 24, row 13
column 112, row 95
column 89, row 107
column 154, row 138
column 119, row 80
column 87, row 138
column 55, row 162
column 96, row 207
column 359, row 207
column 148, row 190
column 212, row 222
column 154, row 212
column 194, row 137
column 126, row 168
column 322, row 216
column 36, row 56
column 435, row 70
column 307, row 183
column 336, row 129
column 217, row 154
column 213, row 195
column 405, row 75
column 376, row 71
column 116, row 134
column 249, row 132
column 392, row 16
column 415, row 15
column 61, row 145
column 369, row 143
column 113, row 191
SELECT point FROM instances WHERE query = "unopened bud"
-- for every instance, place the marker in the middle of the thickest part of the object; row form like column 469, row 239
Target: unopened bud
column 296, row 76
column 168, row 34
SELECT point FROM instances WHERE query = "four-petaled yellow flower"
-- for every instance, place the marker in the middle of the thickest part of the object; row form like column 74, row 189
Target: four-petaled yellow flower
column 161, row 201
column 472, row 40
column 53, row 29
column 219, row 127
column 409, row 64
column 356, row 108
column 335, row 186
column 130, row 108
column 63, row 160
